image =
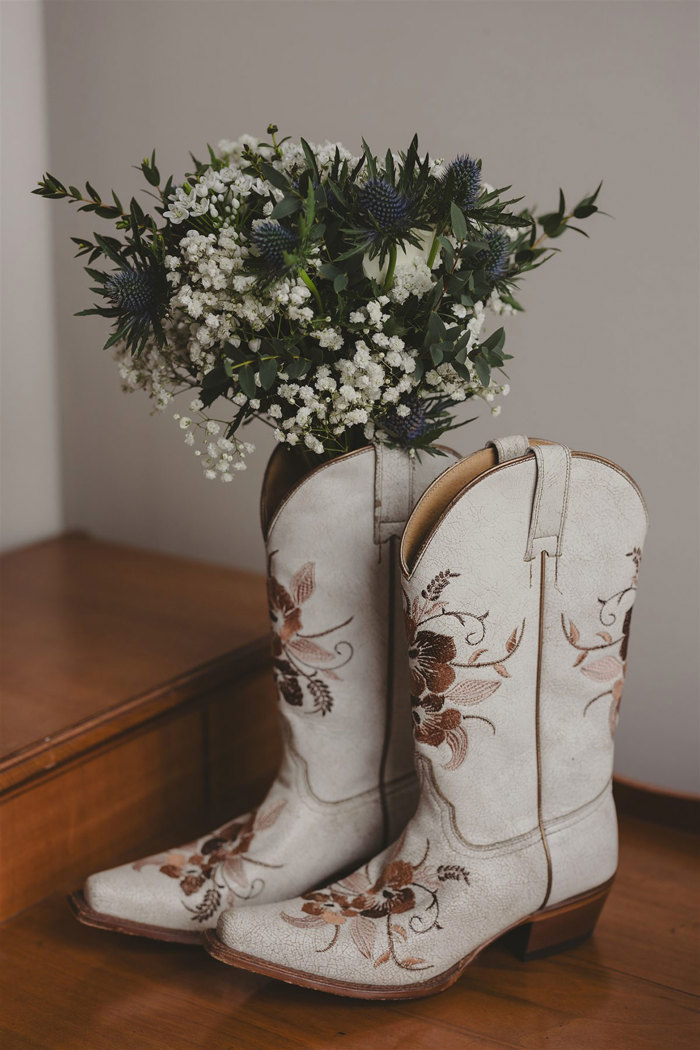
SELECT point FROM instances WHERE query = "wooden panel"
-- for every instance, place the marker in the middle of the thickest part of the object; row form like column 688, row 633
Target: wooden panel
column 244, row 744
column 66, row 987
column 671, row 809
column 87, row 626
column 98, row 811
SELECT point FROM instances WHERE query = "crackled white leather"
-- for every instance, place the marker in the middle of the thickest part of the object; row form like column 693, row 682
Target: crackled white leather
column 346, row 784
column 515, row 762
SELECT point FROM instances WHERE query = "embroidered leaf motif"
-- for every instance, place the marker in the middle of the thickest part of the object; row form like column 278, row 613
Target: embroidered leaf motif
column 310, row 651
column 475, row 656
column 604, row 669
column 614, row 715
column 472, row 692
column 456, row 740
column 574, row 633
column 363, row 933
column 412, row 962
column 617, row 689
column 452, row 871
column 358, row 882
column 512, row 642
column 302, row 583
column 400, row 930
column 265, row 818
column 233, row 870
column 323, row 700
column 579, row 659
column 308, row 920
column 171, row 871
column 605, row 636
column 382, row 959
column 207, row 907
column 500, row 669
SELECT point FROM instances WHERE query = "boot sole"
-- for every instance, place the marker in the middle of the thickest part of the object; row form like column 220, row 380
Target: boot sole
column 542, row 933
column 88, row 917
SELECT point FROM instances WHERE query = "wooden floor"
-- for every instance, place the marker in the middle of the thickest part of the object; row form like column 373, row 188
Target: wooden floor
column 633, row 986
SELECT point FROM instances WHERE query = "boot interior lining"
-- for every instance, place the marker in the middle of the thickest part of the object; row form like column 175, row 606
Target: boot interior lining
column 284, row 472
column 438, row 497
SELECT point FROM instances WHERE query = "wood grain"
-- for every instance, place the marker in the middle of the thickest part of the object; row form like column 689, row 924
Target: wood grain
column 66, row 987
column 89, row 626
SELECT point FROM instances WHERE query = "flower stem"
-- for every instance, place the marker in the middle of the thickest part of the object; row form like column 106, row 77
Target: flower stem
column 312, row 287
column 389, row 279
column 433, row 252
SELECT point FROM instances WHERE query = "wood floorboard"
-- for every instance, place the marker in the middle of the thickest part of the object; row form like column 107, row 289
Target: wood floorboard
column 633, row 986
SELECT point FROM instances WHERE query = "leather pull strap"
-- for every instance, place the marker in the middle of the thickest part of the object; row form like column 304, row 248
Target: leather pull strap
column 510, row 447
column 550, row 501
column 393, row 492
column 551, row 491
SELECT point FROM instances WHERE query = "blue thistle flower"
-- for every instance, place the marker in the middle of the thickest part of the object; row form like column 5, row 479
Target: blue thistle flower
column 383, row 206
column 462, row 180
column 412, row 427
column 272, row 240
column 497, row 254
column 133, row 293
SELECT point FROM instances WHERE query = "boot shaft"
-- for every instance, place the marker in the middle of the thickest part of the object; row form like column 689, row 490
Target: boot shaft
column 520, row 569
column 331, row 537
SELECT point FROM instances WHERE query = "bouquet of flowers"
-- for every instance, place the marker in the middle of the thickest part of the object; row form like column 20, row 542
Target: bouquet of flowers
column 341, row 299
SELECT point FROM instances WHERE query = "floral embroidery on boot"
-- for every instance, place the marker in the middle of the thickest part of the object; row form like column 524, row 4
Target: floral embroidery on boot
column 213, row 872
column 302, row 666
column 432, row 657
column 370, row 908
column 609, row 667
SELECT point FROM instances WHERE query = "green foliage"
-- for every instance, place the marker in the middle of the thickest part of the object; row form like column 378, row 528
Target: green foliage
column 331, row 233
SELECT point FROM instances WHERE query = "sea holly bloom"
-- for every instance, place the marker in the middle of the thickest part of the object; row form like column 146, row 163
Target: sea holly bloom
column 382, row 208
column 461, row 181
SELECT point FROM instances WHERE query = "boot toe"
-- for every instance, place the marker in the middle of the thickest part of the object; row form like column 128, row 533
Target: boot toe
column 145, row 897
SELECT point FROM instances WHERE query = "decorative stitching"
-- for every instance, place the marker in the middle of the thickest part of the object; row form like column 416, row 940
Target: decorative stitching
column 608, row 668
column 300, row 665
column 432, row 660
column 540, row 645
column 369, row 907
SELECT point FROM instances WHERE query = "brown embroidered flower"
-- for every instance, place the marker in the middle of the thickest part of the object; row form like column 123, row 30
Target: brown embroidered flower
column 392, row 892
column 433, row 728
column 285, row 615
column 301, row 664
column 191, row 883
column 215, row 872
column 288, row 682
column 429, row 702
column 331, row 906
column 430, row 657
column 171, row 871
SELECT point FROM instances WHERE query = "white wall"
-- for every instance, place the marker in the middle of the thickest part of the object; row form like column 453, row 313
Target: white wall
column 548, row 94
column 30, row 481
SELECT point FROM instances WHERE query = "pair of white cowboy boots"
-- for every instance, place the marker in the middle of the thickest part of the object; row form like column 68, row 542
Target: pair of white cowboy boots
column 516, row 576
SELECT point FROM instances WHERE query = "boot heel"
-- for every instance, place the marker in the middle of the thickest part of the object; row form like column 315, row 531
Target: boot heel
column 559, row 928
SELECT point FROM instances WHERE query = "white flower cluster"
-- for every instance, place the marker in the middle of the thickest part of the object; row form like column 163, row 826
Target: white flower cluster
column 217, row 300
column 220, row 456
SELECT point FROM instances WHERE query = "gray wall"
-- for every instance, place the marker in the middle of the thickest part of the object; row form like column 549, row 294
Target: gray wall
column 548, row 94
column 30, row 468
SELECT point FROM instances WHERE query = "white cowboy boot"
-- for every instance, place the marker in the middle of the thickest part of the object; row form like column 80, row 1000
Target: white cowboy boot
column 347, row 784
column 520, row 568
